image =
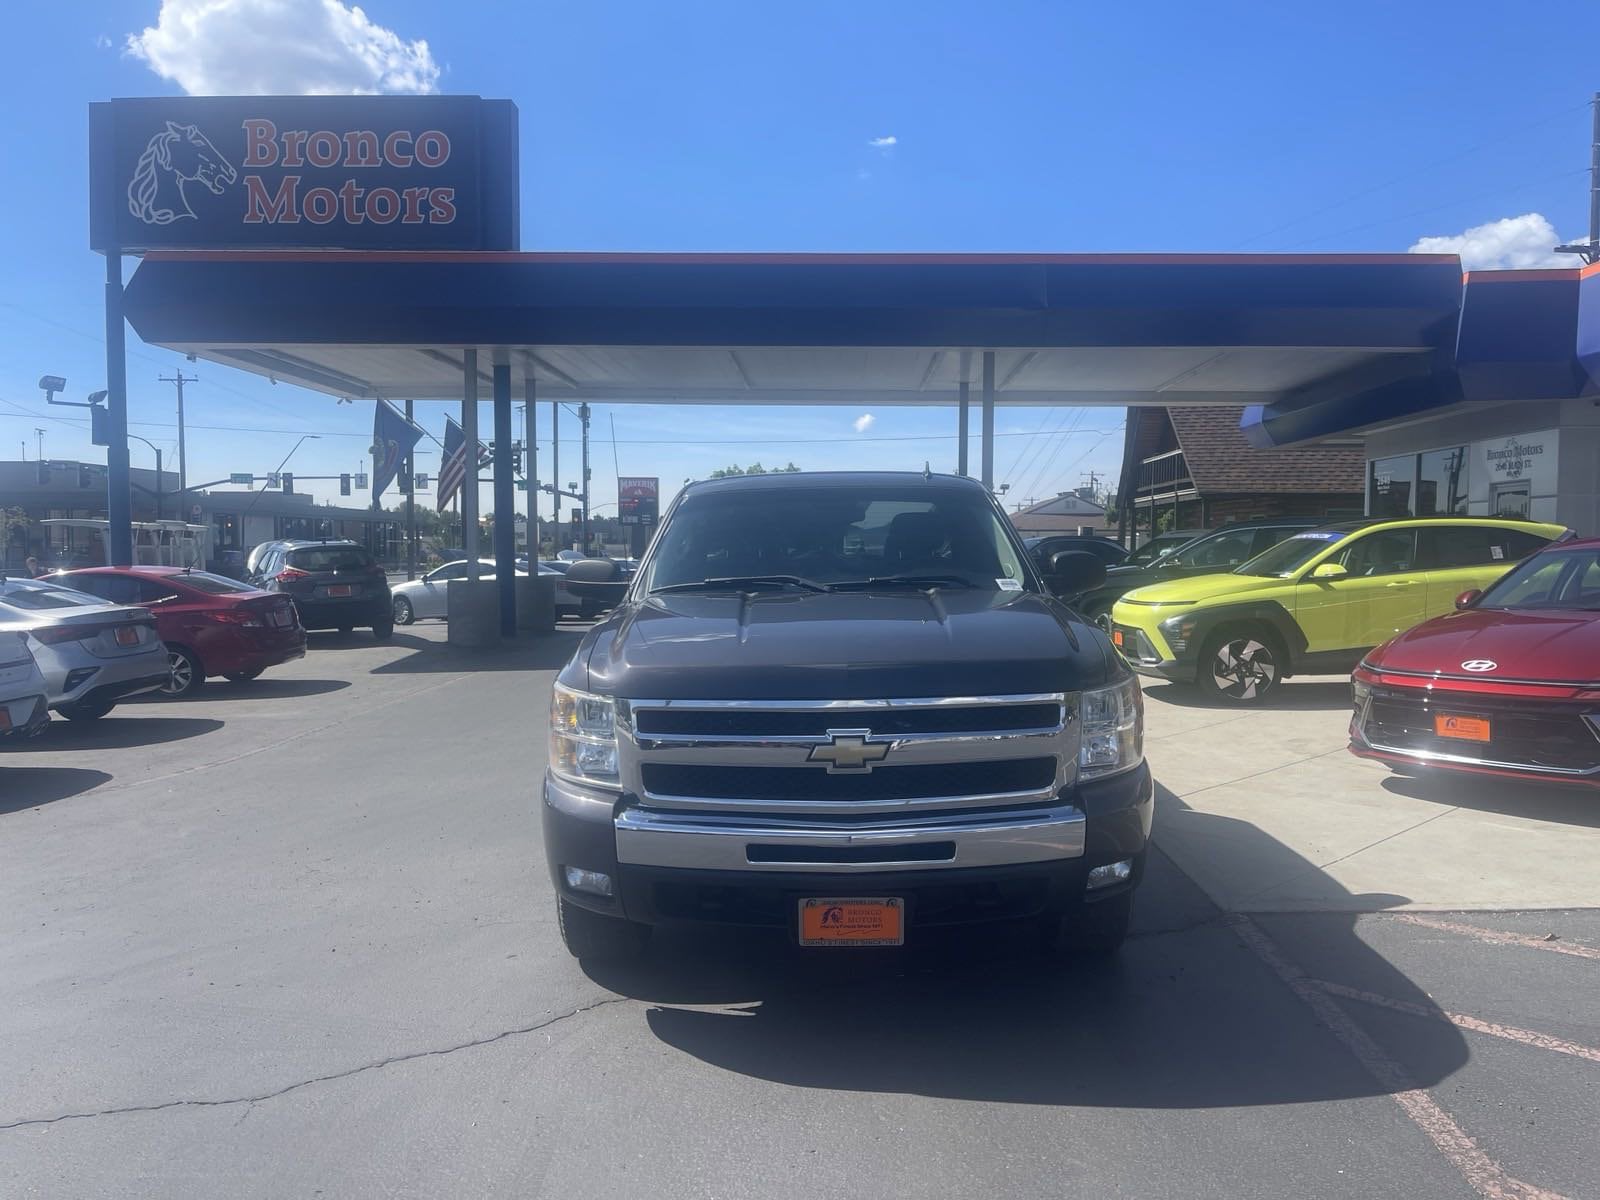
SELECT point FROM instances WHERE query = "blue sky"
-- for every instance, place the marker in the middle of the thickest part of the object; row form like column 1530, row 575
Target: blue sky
column 711, row 125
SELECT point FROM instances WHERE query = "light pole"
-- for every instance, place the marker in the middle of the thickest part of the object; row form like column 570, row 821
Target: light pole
column 304, row 438
column 160, row 511
column 39, row 433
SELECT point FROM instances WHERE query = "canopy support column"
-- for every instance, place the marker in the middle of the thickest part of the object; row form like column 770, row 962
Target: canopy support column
column 966, row 403
column 469, row 482
column 411, row 504
column 119, row 495
column 530, row 413
column 988, row 419
column 505, row 524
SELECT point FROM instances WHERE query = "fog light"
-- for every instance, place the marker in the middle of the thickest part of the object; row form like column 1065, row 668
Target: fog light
column 596, row 883
column 1117, row 872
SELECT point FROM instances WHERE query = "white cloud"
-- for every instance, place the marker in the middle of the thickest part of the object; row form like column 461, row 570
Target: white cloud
column 102, row 42
column 1508, row 244
column 280, row 47
column 884, row 143
column 864, row 422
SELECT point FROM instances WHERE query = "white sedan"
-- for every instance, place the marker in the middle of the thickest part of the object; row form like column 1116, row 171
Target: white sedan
column 22, row 688
column 429, row 597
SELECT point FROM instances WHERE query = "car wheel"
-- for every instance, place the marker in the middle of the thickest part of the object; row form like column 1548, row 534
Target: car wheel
column 589, row 935
column 403, row 613
column 86, row 710
column 383, row 630
column 185, row 675
column 242, row 676
column 1241, row 666
column 1097, row 929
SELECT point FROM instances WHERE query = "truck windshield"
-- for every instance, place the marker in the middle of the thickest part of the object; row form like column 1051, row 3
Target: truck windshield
column 855, row 537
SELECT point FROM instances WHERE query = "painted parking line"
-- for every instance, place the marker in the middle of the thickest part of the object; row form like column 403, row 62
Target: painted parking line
column 1485, row 1176
column 1510, row 1033
column 1498, row 936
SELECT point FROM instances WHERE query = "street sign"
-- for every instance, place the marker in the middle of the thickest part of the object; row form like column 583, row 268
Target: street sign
column 638, row 499
column 361, row 481
column 420, row 481
column 243, row 477
column 274, row 479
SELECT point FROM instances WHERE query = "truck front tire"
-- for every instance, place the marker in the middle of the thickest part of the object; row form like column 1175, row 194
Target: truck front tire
column 591, row 936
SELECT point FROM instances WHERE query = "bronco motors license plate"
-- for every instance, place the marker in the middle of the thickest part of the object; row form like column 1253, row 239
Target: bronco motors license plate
column 339, row 589
column 1467, row 729
column 831, row 921
column 127, row 636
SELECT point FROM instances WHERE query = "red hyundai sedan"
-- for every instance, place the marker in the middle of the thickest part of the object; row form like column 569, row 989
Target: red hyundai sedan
column 1507, row 685
column 210, row 625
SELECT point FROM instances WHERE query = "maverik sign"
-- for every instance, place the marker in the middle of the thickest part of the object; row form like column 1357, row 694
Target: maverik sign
column 326, row 172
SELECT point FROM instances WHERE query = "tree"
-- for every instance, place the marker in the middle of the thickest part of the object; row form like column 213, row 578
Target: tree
column 754, row 468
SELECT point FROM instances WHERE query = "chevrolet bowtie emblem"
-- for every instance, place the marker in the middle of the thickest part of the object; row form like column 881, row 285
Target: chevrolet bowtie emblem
column 849, row 750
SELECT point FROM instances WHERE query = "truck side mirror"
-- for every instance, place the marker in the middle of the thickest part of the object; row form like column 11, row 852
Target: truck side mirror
column 1074, row 571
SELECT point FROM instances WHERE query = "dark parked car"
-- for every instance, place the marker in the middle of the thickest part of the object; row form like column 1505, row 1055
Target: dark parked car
column 1213, row 553
column 1505, row 686
column 209, row 624
column 334, row 584
column 1043, row 548
column 1161, row 544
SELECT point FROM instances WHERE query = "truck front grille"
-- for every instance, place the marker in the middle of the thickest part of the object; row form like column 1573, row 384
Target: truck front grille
column 931, row 781
column 848, row 756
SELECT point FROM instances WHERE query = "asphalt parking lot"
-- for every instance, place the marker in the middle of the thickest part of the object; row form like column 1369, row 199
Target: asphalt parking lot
column 295, row 938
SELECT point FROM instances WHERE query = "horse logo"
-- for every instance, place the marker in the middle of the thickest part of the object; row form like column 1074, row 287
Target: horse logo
column 178, row 155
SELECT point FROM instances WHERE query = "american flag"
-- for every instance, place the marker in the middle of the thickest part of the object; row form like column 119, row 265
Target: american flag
column 453, row 470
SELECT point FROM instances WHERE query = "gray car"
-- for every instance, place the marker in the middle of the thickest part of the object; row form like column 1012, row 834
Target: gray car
column 91, row 653
column 22, row 705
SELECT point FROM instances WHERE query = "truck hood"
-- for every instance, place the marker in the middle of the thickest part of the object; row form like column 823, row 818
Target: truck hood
column 1198, row 588
column 1553, row 646
column 847, row 646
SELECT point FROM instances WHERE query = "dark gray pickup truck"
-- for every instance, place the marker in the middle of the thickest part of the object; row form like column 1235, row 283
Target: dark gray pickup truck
column 846, row 705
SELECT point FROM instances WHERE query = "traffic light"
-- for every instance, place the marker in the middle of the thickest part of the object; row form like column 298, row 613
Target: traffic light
column 577, row 516
column 402, row 481
column 288, row 483
column 344, row 484
column 99, row 425
column 516, row 458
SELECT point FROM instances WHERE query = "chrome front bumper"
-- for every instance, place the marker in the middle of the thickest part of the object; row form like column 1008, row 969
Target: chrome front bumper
column 717, row 842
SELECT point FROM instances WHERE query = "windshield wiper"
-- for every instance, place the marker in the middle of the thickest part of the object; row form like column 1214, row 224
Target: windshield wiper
column 736, row 582
column 916, row 581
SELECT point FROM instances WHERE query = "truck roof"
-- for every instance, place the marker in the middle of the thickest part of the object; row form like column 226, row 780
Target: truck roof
column 835, row 479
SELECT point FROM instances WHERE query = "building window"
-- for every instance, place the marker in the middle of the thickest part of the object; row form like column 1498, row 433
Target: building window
column 1390, row 483
column 1442, row 483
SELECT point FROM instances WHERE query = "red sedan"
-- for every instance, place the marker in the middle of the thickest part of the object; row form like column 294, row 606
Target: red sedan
column 1507, row 685
column 210, row 625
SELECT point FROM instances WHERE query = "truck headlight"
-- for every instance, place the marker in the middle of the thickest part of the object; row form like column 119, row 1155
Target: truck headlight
column 1111, row 721
column 583, row 737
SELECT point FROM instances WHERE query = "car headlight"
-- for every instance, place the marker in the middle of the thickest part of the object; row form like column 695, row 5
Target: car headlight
column 1111, row 722
column 1178, row 632
column 583, row 737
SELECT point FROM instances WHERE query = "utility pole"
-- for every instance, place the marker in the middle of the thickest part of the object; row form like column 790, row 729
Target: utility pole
column 183, row 461
column 1091, row 479
column 1591, row 252
column 583, row 416
column 555, row 472
column 40, row 434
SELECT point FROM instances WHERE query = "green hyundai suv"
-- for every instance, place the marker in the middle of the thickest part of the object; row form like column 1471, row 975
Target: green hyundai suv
column 1315, row 602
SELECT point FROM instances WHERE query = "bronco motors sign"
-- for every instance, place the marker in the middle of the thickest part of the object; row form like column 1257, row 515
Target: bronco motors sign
column 324, row 172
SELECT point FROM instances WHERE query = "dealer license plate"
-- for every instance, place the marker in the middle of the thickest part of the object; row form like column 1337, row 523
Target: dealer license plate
column 1116, row 638
column 1466, row 729
column 127, row 636
column 845, row 921
column 339, row 589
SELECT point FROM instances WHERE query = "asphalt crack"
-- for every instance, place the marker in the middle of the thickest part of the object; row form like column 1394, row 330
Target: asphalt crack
column 378, row 1065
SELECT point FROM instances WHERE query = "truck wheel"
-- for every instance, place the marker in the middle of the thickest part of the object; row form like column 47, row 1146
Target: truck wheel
column 1098, row 929
column 1241, row 666
column 589, row 935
